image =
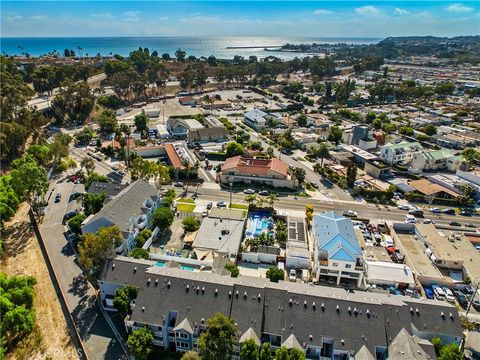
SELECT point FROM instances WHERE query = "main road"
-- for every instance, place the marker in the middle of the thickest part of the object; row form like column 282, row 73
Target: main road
column 374, row 212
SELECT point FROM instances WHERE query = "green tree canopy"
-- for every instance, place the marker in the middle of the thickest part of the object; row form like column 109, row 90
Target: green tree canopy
column 162, row 218
column 93, row 203
column 249, row 350
column 139, row 253
column 233, row 268
column 190, row 224
column 233, row 149
column 141, row 122
column 122, row 299
column 275, row 274
column 216, row 342
column 75, row 223
column 351, row 174
column 107, row 121
column 9, row 200
column 335, row 134
column 28, row 179
column 140, row 343
column 265, row 352
column 190, row 355
column 94, row 249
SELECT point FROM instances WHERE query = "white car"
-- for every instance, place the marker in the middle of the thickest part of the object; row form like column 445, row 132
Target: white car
column 404, row 207
column 350, row 213
column 448, row 294
column 410, row 219
column 249, row 191
column 428, row 221
column 293, row 275
column 439, row 293
column 435, row 210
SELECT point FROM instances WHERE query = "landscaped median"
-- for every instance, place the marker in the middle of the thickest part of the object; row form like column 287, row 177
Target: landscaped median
column 186, row 205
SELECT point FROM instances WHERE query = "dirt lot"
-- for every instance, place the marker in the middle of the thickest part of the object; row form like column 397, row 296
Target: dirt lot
column 24, row 257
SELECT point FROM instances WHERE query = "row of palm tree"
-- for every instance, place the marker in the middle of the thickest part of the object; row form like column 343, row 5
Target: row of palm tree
column 259, row 201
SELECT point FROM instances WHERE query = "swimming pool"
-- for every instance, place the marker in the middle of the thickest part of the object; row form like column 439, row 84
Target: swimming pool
column 187, row 268
column 160, row 263
column 259, row 222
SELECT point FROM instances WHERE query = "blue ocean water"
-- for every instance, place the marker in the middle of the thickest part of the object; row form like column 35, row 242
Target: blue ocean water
column 196, row 46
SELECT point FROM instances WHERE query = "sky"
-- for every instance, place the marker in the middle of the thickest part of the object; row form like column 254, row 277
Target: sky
column 239, row 18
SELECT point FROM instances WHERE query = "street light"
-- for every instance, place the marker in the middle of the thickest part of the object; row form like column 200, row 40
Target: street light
column 231, row 185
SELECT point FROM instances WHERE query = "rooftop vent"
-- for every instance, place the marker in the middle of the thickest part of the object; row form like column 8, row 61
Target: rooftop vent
column 305, row 304
column 451, row 316
column 135, row 269
column 442, row 314
column 290, row 302
column 113, row 266
column 216, row 292
column 236, row 294
column 230, row 294
column 311, row 337
column 187, row 287
column 148, row 281
column 338, row 309
column 203, row 289
column 314, row 306
column 143, row 308
column 259, row 297
column 156, row 282
column 168, row 285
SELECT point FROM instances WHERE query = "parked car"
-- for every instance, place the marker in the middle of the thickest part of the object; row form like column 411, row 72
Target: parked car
column 205, row 213
column 58, row 197
column 178, row 184
column 428, row 221
column 454, row 223
column 448, row 211
column 292, row 276
column 350, row 213
column 438, row 291
column 404, row 207
column 448, row 294
column 429, row 293
column 249, row 191
column 209, row 205
column 435, row 210
column 314, row 184
column 410, row 219
column 471, row 225
column 263, row 193
column 221, row 204
column 465, row 213
column 461, row 298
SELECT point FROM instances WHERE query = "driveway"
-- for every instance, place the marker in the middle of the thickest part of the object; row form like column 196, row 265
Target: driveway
column 98, row 338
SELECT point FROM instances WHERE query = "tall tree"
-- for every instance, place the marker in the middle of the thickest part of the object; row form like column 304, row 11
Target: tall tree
column 107, row 121
column 122, row 299
column 95, row 248
column 141, row 123
column 323, row 152
column 162, row 218
column 335, row 134
column 29, row 180
column 216, row 342
column 351, row 174
column 265, row 352
column 9, row 200
column 140, row 343
column 249, row 350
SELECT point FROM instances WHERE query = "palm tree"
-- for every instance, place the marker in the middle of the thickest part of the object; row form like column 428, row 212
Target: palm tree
column 323, row 152
column 251, row 199
column 272, row 198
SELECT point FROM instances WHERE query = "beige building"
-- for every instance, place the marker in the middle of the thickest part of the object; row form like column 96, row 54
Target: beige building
column 270, row 172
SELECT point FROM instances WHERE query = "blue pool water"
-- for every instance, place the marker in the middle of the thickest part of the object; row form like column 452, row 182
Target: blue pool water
column 161, row 264
column 259, row 222
column 187, row 268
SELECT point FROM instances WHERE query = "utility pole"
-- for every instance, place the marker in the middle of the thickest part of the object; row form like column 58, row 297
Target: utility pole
column 472, row 298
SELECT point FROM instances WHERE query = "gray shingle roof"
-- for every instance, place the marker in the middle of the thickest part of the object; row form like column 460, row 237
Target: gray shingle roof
column 311, row 313
column 126, row 204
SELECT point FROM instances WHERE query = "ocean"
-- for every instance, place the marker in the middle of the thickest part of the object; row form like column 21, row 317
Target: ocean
column 196, row 46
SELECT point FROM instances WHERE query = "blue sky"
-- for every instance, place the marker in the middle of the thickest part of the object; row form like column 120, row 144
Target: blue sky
column 232, row 18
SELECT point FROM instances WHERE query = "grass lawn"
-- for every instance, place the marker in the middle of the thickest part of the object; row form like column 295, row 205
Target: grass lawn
column 185, row 207
column 186, row 200
column 239, row 206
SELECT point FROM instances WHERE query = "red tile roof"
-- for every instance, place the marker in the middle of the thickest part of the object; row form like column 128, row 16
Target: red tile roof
column 116, row 145
column 173, row 157
column 255, row 166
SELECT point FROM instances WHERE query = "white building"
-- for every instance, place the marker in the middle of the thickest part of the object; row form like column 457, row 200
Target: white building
column 389, row 274
column 180, row 128
column 337, row 250
column 256, row 119
column 436, row 160
column 400, row 153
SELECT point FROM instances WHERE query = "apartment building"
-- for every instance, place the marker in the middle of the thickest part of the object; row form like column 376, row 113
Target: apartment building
column 400, row 153
column 436, row 160
column 337, row 250
column 131, row 210
column 324, row 322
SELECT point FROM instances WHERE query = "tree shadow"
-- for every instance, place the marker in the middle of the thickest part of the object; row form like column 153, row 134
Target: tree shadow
column 79, row 285
column 18, row 236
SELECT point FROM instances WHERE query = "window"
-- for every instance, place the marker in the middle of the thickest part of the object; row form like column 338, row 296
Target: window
column 335, row 264
column 348, row 266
